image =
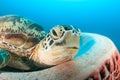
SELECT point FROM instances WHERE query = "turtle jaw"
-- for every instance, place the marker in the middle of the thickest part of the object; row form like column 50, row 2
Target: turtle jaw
column 64, row 54
column 57, row 56
column 65, row 51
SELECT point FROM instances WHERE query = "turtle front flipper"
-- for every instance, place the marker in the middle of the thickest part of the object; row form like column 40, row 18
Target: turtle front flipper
column 4, row 58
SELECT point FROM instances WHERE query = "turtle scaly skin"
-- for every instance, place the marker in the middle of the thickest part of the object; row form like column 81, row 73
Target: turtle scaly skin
column 28, row 47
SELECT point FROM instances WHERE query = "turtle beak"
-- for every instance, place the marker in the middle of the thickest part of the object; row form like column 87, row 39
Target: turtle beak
column 73, row 47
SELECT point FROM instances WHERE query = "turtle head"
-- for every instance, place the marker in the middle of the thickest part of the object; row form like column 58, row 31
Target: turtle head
column 61, row 44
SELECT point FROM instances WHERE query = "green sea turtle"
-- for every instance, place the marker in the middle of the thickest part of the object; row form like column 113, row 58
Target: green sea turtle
column 25, row 45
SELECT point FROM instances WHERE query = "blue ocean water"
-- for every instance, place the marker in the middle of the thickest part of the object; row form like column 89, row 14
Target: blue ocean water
column 95, row 16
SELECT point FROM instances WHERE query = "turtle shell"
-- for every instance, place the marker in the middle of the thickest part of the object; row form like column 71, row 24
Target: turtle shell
column 19, row 34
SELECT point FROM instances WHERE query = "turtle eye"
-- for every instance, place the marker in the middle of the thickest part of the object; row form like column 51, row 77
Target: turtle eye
column 56, row 33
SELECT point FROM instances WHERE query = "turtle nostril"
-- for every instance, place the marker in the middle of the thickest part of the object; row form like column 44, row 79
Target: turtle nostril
column 73, row 31
column 60, row 29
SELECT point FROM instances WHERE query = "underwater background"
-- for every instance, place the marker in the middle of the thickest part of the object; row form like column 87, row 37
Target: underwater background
column 95, row 16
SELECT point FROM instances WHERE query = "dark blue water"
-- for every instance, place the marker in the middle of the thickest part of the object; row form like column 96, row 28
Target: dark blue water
column 96, row 16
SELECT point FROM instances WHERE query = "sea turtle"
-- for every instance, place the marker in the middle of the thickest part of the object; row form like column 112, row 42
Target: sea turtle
column 25, row 45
